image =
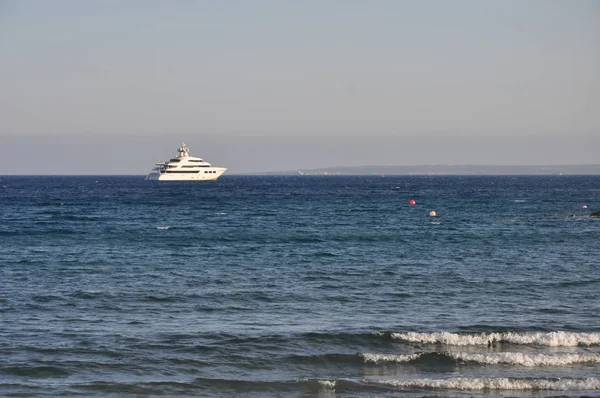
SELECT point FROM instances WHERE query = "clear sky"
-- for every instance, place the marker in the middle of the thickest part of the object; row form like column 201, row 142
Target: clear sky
column 108, row 87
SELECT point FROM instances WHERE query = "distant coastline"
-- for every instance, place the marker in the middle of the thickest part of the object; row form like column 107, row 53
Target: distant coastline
column 591, row 169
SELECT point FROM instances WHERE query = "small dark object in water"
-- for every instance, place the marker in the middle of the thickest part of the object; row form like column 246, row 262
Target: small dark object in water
column 595, row 214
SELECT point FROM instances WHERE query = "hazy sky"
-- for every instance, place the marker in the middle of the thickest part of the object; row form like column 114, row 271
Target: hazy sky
column 109, row 87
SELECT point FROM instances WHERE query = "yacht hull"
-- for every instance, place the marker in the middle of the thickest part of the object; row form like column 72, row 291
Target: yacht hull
column 201, row 176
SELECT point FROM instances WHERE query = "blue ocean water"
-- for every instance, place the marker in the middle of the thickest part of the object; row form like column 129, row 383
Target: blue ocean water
column 300, row 286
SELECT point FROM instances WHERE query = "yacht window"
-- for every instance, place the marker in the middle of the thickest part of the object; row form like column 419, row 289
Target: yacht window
column 181, row 171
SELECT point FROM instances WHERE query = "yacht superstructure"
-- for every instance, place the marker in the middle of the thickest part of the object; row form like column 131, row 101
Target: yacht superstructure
column 185, row 168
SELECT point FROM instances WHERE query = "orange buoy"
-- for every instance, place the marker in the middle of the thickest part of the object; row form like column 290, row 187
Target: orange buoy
column 432, row 213
column 412, row 202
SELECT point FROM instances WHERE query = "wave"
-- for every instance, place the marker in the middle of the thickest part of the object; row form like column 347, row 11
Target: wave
column 341, row 338
column 509, row 358
column 494, row 383
column 236, row 386
column 222, row 386
column 437, row 358
column 384, row 358
column 529, row 360
column 327, row 384
column 550, row 339
column 356, row 359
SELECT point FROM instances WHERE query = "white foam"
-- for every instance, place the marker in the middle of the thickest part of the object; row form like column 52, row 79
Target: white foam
column 551, row 339
column 220, row 213
column 378, row 358
column 163, row 227
column 500, row 383
column 527, row 359
column 327, row 384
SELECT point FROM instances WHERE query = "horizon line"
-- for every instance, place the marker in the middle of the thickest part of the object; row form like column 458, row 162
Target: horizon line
column 347, row 170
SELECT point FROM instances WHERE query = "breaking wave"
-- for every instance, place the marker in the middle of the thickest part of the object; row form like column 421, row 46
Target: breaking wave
column 529, row 360
column 507, row 358
column 551, row 339
column 383, row 358
column 327, row 384
column 499, row 383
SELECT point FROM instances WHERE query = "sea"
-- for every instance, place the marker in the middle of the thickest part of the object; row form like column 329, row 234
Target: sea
column 300, row 286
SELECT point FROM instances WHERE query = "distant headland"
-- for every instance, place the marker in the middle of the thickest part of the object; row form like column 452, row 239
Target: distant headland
column 591, row 169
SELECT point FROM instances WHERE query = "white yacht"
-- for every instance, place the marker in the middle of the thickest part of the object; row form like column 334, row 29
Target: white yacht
column 185, row 168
